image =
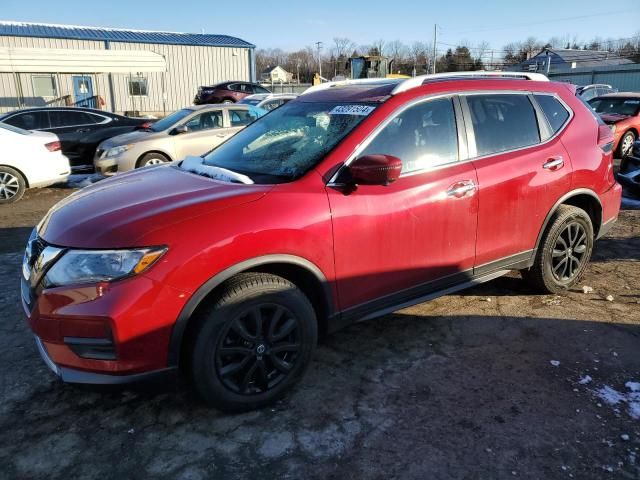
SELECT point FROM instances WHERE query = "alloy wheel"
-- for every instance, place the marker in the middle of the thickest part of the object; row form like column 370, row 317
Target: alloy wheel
column 258, row 349
column 569, row 252
column 154, row 161
column 9, row 186
column 627, row 144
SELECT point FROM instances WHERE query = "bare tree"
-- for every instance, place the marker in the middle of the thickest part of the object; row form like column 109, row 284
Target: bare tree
column 342, row 49
column 377, row 47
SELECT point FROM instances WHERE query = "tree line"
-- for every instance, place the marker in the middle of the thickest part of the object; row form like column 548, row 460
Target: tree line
column 417, row 58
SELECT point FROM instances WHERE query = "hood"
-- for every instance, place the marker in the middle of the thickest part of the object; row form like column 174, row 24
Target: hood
column 120, row 211
column 611, row 118
column 131, row 137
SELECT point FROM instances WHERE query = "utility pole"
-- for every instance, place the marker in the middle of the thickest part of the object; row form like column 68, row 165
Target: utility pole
column 319, row 46
column 435, row 40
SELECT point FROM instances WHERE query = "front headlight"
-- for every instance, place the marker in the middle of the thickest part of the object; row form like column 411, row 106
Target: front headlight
column 115, row 151
column 92, row 266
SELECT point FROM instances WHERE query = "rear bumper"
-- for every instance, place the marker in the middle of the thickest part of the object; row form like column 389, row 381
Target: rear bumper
column 610, row 200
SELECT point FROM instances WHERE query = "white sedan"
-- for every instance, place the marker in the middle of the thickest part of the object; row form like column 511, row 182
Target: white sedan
column 27, row 160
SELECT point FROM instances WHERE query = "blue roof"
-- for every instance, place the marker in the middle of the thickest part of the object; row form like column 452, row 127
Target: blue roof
column 20, row 29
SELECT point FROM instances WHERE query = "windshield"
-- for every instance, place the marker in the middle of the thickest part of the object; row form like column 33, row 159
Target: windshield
column 289, row 141
column 11, row 128
column 168, row 121
column 621, row 106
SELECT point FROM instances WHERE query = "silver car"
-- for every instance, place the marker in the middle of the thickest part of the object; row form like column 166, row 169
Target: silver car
column 190, row 131
column 268, row 101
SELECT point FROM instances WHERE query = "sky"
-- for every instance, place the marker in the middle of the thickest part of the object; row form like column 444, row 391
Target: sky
column 294, row 25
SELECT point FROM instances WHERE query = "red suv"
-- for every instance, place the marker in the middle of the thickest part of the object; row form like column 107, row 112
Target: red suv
column 354, row 200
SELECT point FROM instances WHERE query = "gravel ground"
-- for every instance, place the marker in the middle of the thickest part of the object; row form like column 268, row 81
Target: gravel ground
column 493, row 383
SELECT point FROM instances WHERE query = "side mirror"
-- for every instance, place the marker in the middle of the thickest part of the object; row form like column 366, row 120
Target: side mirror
column 375, row 169
column 179, row 130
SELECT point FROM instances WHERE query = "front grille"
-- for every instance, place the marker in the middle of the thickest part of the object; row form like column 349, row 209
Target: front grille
column 39, row 256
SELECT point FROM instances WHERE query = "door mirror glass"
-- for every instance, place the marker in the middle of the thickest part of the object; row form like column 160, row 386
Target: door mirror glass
column 375, row 169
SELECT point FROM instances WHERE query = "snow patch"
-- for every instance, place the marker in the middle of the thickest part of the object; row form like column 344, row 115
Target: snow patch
column 83, row 180
column 555, row 363
column 631, row 398
column 196, row 165
column 586, row 379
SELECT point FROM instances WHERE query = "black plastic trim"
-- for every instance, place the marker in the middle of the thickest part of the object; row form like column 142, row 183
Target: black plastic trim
column 71, row 375
column 92, row 348
column 183, row 319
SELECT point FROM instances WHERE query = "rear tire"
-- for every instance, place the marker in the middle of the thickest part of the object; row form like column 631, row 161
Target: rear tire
column 12, row 185
column 253, row 343
column 153, row 158
column 564, row 252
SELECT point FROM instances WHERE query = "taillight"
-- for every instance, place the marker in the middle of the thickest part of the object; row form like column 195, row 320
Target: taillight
column 145, row 125
column 53, row 146
column 605, row 138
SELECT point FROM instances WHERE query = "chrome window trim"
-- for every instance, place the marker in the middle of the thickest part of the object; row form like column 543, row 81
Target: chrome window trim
column 470, row 146
column 402, row 108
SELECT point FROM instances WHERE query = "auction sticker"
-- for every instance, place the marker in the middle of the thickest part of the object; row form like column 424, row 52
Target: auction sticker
column 352, row 110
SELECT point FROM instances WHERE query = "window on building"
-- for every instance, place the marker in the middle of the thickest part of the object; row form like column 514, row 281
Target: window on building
column 422, row 137
column 138, row 86
column 503, row 122
column 555, row 112
column 44, row 86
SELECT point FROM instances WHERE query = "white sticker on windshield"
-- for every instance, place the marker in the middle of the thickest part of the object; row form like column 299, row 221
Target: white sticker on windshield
column 352, row 110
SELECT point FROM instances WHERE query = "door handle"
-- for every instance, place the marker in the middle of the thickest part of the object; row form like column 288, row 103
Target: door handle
column 555, row 163
column 83, row 130
column 460, row 189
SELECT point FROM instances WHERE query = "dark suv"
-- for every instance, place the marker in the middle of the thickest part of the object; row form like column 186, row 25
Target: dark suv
column 228, row 92
column 356, row 199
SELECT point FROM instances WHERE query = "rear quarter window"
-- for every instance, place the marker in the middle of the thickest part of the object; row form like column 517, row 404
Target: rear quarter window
column 554, row 111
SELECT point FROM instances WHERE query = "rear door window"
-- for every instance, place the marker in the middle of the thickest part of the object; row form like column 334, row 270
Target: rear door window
column 241, row 117
column 502, row 122
column 29, row 120
column 66, row 118
column 554, row 111
column 423, row 136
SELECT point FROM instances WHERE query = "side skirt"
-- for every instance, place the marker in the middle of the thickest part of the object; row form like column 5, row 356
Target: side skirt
column 431, row 290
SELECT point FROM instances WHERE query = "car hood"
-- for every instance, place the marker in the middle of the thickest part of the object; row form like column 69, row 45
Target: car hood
column 611, row 118
column 123, row 210
column 131, row 137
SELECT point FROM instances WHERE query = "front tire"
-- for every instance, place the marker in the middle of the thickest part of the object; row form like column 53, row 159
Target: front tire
column 153, row 158
column 12, row 185
column 626, row 144
column 565, row 250
column 254, row 342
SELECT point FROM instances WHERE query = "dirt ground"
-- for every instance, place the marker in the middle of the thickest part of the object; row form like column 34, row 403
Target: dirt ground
column 493, row 383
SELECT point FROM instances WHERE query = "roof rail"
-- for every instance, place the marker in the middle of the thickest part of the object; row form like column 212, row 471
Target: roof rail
column 419, row 80
column 357, row 81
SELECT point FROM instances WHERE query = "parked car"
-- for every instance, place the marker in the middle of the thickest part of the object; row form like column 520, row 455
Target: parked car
column 190, row 131
column 587, row 92
column 80, row 130
column 622, row 112
column 268, row 101
column 227, row 92
column 352, row 201
column 629, row 173
column 28, row 160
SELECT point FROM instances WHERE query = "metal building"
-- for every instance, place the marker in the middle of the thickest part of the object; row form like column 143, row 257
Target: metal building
column 145, row 72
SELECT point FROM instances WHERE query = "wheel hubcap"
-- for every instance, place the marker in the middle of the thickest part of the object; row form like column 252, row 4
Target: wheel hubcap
column 568, row 252
column 258, row 349
column 154, row 161
column 9, row 186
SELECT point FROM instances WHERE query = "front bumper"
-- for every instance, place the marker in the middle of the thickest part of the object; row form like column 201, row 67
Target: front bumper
column 108, row 333
column 629, row 174
column 106, row 166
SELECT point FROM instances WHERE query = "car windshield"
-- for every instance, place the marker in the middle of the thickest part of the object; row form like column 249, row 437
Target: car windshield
column 621, row 106
column 289, row 141
column 169, row 120
column 13, row 129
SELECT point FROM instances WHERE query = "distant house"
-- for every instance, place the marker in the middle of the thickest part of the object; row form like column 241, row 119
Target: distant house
column 276, row 75
column 550, row 59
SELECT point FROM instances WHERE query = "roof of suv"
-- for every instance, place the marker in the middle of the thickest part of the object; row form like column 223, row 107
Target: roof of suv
column 378, row 90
